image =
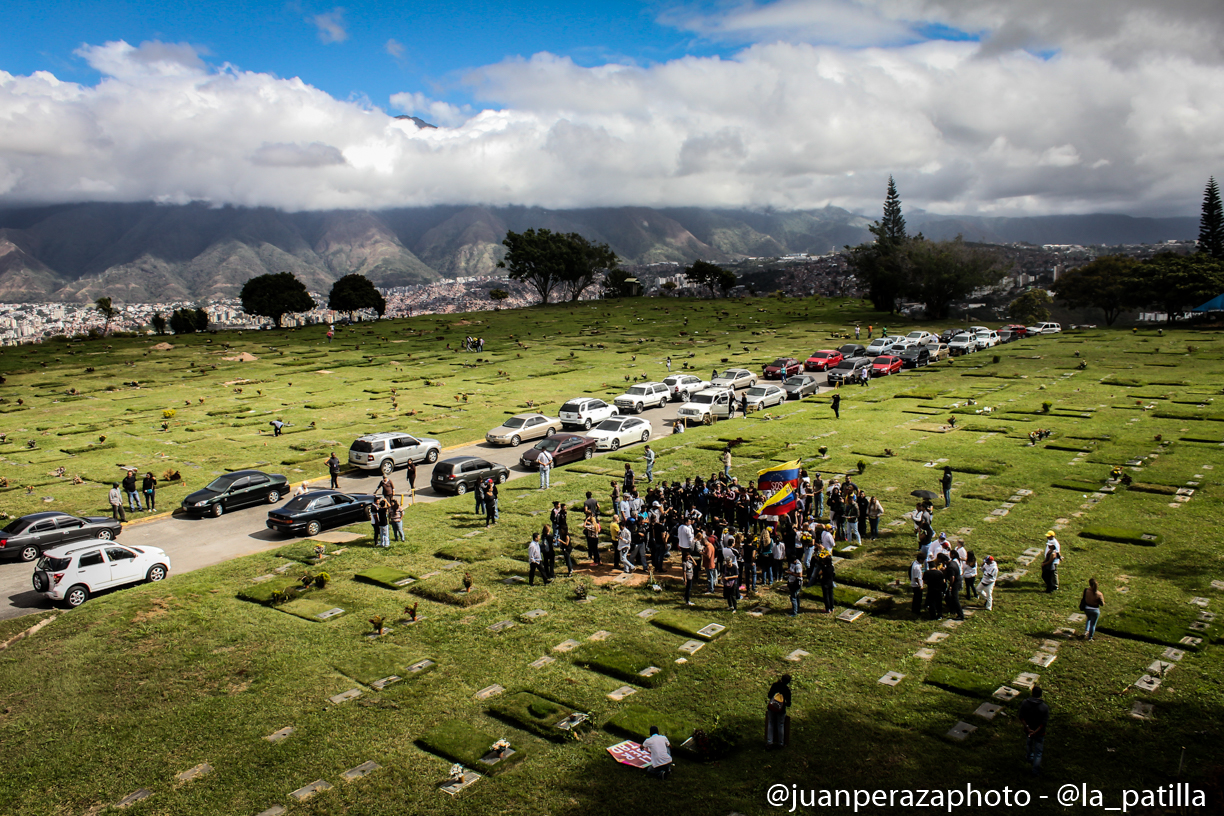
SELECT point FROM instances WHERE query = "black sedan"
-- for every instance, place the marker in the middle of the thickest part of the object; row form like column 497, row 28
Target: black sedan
column 799, row 386
column 25, row 538
column 852, row 350
column 564, row 447
column 316, row 509
column 849, row 370
column 915, row 356
column 234, row 490
column 460, row 474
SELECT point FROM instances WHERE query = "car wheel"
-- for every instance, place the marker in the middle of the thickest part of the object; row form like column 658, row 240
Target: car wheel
column 40, row 582
column 29, row 552
column 615, row 444
column 645, row 436
column 387, row 467
column 588, row 453
column 432, row 456
column 157, row 572
column 515, row 441
column 586, row 426
column 550, row 432
column 273, row 496
column 637, row 409
column 76, row 596
column 313, row 528
column 106, row 535
column 501, row 478
column 216, row 510
column 460, row 489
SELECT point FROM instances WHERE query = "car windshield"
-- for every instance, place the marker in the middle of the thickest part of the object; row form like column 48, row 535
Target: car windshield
column 222, row 483
column 51, row 564
column 549, row 444
column 845, row 365
column 916, row 334
column 821, row 355
column 883, row 360
column 781, row 362
column 298, row 504
column 609, row 425
column 795, row 380
column 636, row 391
column 702, row 399
column 16, row 526
column 757, row 392
column 961, row 337
column 513, row 422
column 729, row 374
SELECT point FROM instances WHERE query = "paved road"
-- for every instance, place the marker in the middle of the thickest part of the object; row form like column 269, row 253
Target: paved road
column 194, row 543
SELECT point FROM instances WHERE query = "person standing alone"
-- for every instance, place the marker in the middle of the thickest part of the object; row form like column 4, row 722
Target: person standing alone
column 333, row 470
column 945, row 483
column 1090, row 604
column 836, row 406
column 116, row 503
column 778, row 701
column 544, row 460
column 650, row 463
column 1034, row 715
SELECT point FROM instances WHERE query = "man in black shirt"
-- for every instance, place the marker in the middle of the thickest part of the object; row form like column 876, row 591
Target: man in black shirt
column 933, row 581
column 778, row 702
column 1034, row 714
column 955, row 583
column 333, row 470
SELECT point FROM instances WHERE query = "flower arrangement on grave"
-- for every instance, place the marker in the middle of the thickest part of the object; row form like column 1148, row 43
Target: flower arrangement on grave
column 456, row 774
column 822, row 450
column 321, row 580
column 320, row 551
column 411, row 612
column 501, row 747
column 306, row 580
column 467, row 582
column 377, row 623
column 580, row 592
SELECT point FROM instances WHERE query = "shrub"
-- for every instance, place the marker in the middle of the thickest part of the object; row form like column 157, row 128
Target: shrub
column 862, row 465
column 1045, row 407
column 322, row 580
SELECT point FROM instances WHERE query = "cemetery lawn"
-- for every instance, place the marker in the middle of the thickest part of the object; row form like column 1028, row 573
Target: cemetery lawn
column 139, row 685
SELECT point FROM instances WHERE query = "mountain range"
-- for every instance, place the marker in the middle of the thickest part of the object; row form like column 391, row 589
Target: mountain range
column 147, row 252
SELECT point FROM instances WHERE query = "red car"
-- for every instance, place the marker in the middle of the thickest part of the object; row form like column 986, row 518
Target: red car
column 782, row 368
column 823, row 360
column 1017, row 329
column 886, row 364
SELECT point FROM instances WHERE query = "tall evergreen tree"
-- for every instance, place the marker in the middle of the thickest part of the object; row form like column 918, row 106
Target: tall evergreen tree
column 892, row 228
column 1211, row 225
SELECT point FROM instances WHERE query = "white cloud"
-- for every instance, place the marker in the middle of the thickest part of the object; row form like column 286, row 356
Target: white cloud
column 782, row 124
column 331, row 26
column 395, row 48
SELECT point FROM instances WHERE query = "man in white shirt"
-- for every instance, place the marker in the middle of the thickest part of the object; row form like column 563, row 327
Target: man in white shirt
column 826, row 538
column 545, row 461
column 622, row 547
column 684, row 538
column 659, row 749
column 990, row 574
column 916, row 570
column 650, row 463
column 535, row 561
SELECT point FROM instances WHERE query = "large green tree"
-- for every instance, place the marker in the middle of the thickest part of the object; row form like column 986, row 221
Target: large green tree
column 1031, row 307
column 712, row 276
column 275, row 295
column 547, row 261
column 188, row 321
column 159, row 323
column 892, row 227
column 108, row 311
column 943, row 272
column 1178, row 283
column 354, row 292
column 1110, row 283
column 617, row 284
column 882, row 265
column 1211, row 224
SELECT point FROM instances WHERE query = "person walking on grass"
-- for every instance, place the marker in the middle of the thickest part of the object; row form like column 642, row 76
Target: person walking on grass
column 548, row 552
column 934, row 583
column 990, row 574
column 333, row 470
column 730, row 584
column 565, row 545
column 623, row 542
column 709, row 562
column 535, row 561
column 381, row 519
column 686, row 566
column 726, row 461
column 478, row 495
column 1090, row 604
column 969, row 570
column 828, row 576
column 794, row 583
column 410, row 473
column 836, row 405
column 650, row 463
column 945, row 484
column 116, row 503
column 387, row 488
column 778, row 701
column 590, row 529
column 1049, row 568
column 629, row 480
column 490, row 501
column 874, row 511
column 955, row 579
column 1034, row 715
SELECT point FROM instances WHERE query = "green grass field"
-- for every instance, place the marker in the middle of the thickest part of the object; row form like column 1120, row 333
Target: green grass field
column 139, row 685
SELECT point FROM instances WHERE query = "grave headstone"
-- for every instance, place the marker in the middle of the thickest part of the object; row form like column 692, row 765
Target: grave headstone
column 1159, row 668
column 330, row 613
column 361, row 770
column 987, row 711
column 468, row 779
column 345, row 696
column 566, row 646
column 925, row 654
column 386, row 630
column 621, row 693
column 647, row 614
column 534, row 613
column 1190, row 640
column 489, row 691
column 305, row 792
column 1142, row 711
column 1049, row 645
column 1172, row 654
column 850, row 615
column 1026, row 680
column 692, row 646
column 540, row 663
column 430, row 574
column 961, row 731
column 710, row 630
column 133, row 798
column 1077, row 617
column 649, row 671
column 892, row 678
column 1064, row 632
column 937, row 637
column 1200, row 601
column 283, row 734
column 1197, row 626
column 275, row 810
column 259, row 579
column 1043, row 659
column 758, row 611
column 383, row 682
column 501, row 626
column 952, row 623
column 1217, row 584
column 1147, row 683
column 420, row 666
column 602, row 634
column 1005, row 693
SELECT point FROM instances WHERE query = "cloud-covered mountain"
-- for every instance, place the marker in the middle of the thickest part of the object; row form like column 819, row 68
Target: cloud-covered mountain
column 147, row 252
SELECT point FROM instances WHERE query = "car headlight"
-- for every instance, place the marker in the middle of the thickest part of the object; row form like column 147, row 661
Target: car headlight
column 201, row 503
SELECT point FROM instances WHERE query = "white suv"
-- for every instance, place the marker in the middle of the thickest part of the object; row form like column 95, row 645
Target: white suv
column 75, row 571
column 646, row 395
column 986, row 338
column 1045, row 328
column 963, row 343
column 583, row 412
column 387, row 451
column 684, row 385
column 707, row 406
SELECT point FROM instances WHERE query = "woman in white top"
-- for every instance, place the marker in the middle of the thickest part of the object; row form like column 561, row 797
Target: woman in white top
column 990, row 573
column 969, row 570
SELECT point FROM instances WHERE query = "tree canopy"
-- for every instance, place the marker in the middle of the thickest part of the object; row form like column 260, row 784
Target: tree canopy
column 1031, row 307
column 882, row 265
column 108, row 311
column 159, row 323
column 188, row 321
column 1211, row 224
column 616, row 284
column 892, row 227
column 547, row 261
column 712, row 276
column 1110, row 283
column 1178, row 283
column 353, row 293
column 275, row 295
column 943, row 272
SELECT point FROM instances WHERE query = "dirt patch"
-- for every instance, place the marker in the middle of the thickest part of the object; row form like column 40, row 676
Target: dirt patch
column 161, row 347
column 244, row 357
column 159, row 607
column 323, row 371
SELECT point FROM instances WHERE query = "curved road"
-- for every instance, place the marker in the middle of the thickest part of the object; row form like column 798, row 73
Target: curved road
column 193, row 543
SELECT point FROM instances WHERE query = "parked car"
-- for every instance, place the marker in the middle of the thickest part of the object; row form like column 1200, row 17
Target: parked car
column 916, row 356
column 317, row 510
column 963, row 343
column 612, row 433
column 946, row 335
column 939, row 352
column 387, row 451
column 782, row 368
column 241, row 488
column 799, row 386
column 987, row 338
column 1006, row 336
column 900, row 344
column 919, row 337
column 823, row 360
column 564, row 447
column 460, row 474
column 879, row 346
column 734, row 378
column 583, row 412
column 886, row 364
column 73, row 572
column 28, row 537
column 764, row 396
column 852, row 350
column 1017, row 329
column 707, row 406
column 1044, row 328
column 522, row 427
column 643, row 396
column 684, row 385
column 848, row 370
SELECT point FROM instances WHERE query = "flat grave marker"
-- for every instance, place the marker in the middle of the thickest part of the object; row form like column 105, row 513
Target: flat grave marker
column 420, row 665
column 1005, row 693
column 797, row 655
column 937, row 637
column 281, row 735
column 275, row 810
column 601, row 635
column 1190, row 640
column 892, row 678
column 987, row 711
column 534, row 613
column 541, row 662
column 566, row 646
column 1159, row 668
column 1049, row 645
column 501, row 626
column 345, row 696
column 710, row 630
column 1026, row 680
column 360, row 771
column 1217, row 584
column 1143, row 711
column 961, row 731
column 692, row 646
column 647, row 614
column 1200, row 601
column 925, row 654
column 758, row 611
column 490, row 691
column 649, row 671
column 1147, row 683
column 514, row 579
column 468, row 779
column 1043, row 659
column 1172, row 654
column 621, row 693
column 1197, row 626
column 952, row 623
column 305, row 792
column 1064, row 632
column 191, row 774
column 1077, row 617
column 134, row 797
column 330, row 613
column 851, row 615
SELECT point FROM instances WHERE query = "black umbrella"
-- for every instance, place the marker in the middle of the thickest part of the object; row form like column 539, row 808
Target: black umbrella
column 925, row 494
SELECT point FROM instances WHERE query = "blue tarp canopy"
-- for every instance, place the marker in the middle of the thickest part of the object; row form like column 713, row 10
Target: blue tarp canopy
column 1216, row 304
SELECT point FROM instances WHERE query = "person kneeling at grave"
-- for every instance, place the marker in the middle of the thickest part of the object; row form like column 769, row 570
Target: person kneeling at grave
column 660, row 754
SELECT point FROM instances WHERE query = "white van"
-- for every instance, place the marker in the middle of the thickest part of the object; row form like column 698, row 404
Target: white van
column 1044, row 328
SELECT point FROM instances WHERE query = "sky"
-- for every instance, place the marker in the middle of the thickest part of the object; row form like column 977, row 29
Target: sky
column 991, row 107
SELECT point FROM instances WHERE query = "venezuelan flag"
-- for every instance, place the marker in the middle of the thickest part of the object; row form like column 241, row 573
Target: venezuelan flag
column 775, row 477
column 780, row 503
